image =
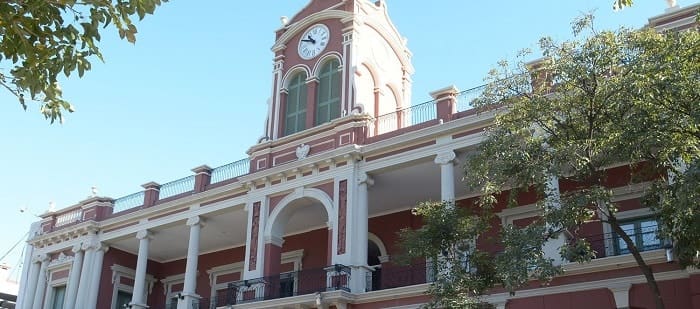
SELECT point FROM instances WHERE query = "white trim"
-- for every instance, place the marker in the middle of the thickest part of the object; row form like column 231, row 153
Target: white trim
column 119, row 271
column 608, row 240
column 509, row 215
column 222, row 270
column 169, row 281
column 380, row 244
column 298, row 193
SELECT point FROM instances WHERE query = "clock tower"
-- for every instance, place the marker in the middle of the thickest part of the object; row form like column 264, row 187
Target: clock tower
column 334, row 59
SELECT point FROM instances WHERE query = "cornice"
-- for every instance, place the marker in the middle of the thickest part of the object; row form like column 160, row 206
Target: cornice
column 299, row 26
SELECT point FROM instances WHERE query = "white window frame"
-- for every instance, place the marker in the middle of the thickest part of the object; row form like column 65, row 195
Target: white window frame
column 63, row 262
column 168, row 283
column 624, row 194
column 119, row 271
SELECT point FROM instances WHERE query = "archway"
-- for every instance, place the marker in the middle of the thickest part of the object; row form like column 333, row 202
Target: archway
column 376, row 255
column 301, row 222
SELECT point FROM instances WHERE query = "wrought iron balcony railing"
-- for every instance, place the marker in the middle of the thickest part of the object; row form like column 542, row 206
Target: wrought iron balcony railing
column 308, row 281
column 395, row 276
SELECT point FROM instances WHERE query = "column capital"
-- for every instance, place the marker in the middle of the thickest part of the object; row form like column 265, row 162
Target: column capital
column 144, row 234
column 77, row 248
column 41, row 258
column 196, row 220
column 365, row 178
column 446, row 157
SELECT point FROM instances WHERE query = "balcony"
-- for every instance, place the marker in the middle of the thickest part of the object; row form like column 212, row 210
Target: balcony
column 308, row 281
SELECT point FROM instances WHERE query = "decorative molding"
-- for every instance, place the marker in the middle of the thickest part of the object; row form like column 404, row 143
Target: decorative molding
column 196, row 220
column 302, row 151
column 342, row 216
column 255, row 230
column 61, row 261
column 446, row 157
column 119, row 271
column 144, row 234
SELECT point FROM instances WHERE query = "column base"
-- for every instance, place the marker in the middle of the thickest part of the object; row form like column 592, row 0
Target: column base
column 138, row 306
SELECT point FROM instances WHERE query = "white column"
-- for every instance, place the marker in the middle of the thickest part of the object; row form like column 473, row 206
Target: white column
column 96, row 275
column 138, row 298
column 41, row 283
column 74, row 279
column 23, row 297
column 33, row 278
column 190, row 286
column 360, row 232
column 84, row 288
column 447, row 175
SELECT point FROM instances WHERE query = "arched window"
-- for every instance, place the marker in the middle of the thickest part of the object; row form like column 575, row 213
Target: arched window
column 295, row 112
column 328, row 98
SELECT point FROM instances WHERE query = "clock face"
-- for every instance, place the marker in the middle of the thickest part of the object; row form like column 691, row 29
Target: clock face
column 313, row 41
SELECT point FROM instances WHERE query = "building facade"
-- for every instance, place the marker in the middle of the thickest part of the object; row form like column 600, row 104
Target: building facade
column 310, row 218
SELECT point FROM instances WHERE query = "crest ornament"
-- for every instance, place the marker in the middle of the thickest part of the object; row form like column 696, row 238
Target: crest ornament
column 302, row 151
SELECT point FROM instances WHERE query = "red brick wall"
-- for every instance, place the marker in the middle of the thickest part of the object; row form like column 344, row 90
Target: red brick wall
column 598, row 299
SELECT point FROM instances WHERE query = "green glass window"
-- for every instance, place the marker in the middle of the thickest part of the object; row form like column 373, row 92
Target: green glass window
column 123, row 299
column 295, row 111
column 328, row 96
column 644, row 233
column 59, row 295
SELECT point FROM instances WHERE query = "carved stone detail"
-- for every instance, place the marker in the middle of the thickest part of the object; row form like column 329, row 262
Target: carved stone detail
column 445, row 157
column 302, row 151
column 254, row 230
column 342, row 215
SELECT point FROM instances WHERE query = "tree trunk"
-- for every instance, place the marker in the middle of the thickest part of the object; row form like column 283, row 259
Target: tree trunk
column 646, row 270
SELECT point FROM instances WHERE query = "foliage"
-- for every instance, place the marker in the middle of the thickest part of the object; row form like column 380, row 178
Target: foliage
column 41, row 39
column 602, row 99
column 621, row 4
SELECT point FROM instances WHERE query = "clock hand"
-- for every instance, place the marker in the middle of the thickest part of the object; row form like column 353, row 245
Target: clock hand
column 311, row 40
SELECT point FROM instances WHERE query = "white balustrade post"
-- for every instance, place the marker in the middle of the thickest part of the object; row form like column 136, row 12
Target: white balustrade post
column 138, row 298
column 33, row 278
column 446, row 161
column 190, row 286
column 74, row 277
column 96, row 275
column 41, row 283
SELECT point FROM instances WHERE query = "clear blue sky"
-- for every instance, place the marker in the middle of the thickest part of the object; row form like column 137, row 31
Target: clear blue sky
column 193, row 89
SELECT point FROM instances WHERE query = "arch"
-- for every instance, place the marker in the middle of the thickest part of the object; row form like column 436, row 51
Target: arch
column 377, row 241
column 295, row 104
column 293, row 72
column 325, row 58
column 328, row 91
column 298, row 26
column 397, row 95
column 272, row 228
column 366, row 80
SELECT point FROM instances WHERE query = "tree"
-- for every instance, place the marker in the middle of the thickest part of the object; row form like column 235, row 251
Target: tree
column 603, row 99
column 42, row 39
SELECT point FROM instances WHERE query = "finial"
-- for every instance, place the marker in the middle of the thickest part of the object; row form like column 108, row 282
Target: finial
column 93, row 189
column 284, row 20
column 52, row 206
